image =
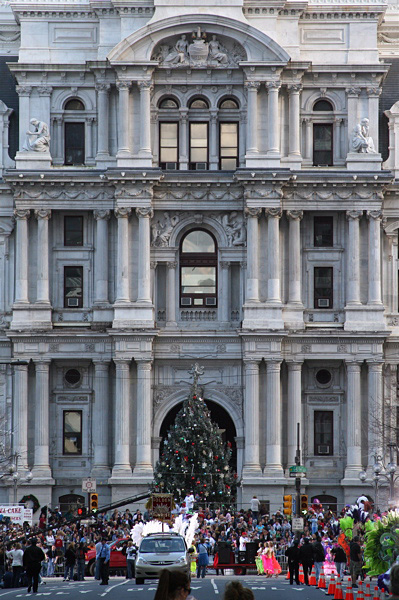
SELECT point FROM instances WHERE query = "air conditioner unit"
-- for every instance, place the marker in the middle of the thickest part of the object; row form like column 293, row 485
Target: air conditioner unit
column 210, row 301
column 73, row 302
column 186, row 301
column 201, row 166
column 323, row 303
column 171, row 166
column 323, row 449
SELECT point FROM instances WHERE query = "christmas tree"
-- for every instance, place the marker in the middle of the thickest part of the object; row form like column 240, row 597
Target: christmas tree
column 194, row 457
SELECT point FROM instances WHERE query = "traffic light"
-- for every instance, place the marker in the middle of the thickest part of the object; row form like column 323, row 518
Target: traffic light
column 93, row 502
column 304, row 503
column 287, row 502
column 81, row 511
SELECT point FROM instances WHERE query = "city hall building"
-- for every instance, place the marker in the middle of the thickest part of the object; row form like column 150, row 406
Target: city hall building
column 206, row 181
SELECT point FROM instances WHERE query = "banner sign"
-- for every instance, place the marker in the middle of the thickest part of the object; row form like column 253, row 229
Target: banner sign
column 162, row 505
column 18, row 514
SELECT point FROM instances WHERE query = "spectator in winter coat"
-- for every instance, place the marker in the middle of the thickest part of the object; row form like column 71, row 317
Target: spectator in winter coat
column 319, row 556
column 16, row 555
column 70, row 559
column 33, row 557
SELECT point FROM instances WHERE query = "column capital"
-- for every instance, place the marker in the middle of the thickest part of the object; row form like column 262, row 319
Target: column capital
column 224, row 264
column 375, row 366
column 101, row 86
column 102, row 215
column 145, row 85
column 154, row 264
column 144, row 212
column 374, row 214
column 295, row 215
column 353, row 92
column 294, row 88
column 24, row 90
column 294, row 365
column 251, row 211
column 374, row 92
column 274, row 213
column 122, row 213
column 20, row 368
column 101, row 365
column 252, row 85
column 353, row 366
column 44, row 90
column 123, row 85
column 353, row 215
column 122, row 364
column 272, row 86
column 273, row 366
column 22, row 214
column 143, row 364
column 42, row 213
column 171, row 265
column 251, row 364
column 42, row 364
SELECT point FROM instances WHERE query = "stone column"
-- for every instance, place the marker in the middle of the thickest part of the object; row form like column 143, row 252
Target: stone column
column 295, row 257
column 273, row 117
column 145, row 88
column 100, row 422
column 337, row 139
column 183, row 149
column 252, row 215
column 374, row 94
column 42, row 425
column 273, row 257
column 354, row 421
column 213, row 140
column 20, row 415
column 144, row 283
column 392, row 271
column 252, row 116
column 224, row 292
column 171, row 294
column 251, row 415
column 122, row 466
column 294, row 145
column 374, row 270
column 353, row 257
column 42, row 284
column 89, row 137
column 123, row 287
column 294, row 409
column 123, row 119
column 308, row 138
column 43, row 113
column 143, row 465
column 273, row 418
column 101, row 256
column 103, row 119
column 375, row 409
column 353, row 117
column 24, row 92
column 21, row 256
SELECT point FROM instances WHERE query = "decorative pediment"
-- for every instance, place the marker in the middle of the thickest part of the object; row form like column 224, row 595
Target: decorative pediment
column 199, row 48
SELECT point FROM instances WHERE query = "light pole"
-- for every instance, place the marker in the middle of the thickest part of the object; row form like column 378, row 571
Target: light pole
column 383, row 474
column 16, row 476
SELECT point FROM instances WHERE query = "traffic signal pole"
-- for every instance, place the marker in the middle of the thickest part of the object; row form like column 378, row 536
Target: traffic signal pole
column 298, row 479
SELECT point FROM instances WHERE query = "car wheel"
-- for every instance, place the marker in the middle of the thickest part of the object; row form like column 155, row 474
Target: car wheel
column 92, row 568
column 139, row 580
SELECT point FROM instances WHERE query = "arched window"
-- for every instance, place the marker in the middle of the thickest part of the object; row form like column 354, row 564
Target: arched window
column 199, row 103
column 323, row 134
column 228, row 134
column 228, row 103
column 74, row 132
column 198, row 269
column 168, row 103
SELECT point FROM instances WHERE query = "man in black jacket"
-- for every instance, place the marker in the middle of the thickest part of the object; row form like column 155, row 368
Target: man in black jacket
column 32, row 560
column 319, row 556
column 293, row 555
column 306, row 560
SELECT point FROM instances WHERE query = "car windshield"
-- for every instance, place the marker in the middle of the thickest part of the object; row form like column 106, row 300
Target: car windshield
column 164, row 546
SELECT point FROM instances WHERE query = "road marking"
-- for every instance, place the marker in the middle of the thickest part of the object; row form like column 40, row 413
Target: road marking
column 135, row 589
column 112, row 587
column 259, row 588
column 215, row 589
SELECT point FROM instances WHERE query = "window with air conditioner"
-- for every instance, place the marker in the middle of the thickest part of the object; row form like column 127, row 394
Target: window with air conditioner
column 169, row 146
column 228, row 146
column 323, row 432
column 323, row 287
column 198, row 269
column 73, row 287
column 198, row 146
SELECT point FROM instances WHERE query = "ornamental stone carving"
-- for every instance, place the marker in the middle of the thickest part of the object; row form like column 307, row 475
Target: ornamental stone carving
column 198, row 49
column 362, row 142
column 69, row 192
column 161, row 230
column 234, row 226
column 37, row 140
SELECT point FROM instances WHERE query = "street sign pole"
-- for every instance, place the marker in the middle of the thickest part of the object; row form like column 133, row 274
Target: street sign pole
column 298, row 478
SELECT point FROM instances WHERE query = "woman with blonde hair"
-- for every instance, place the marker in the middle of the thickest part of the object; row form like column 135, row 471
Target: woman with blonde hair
column 173, row 585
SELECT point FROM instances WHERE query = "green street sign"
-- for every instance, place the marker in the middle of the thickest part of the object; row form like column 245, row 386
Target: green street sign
column 298, row 469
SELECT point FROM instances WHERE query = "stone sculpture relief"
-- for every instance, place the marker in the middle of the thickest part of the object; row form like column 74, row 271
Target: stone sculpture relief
column 362, row 142
column 233, row 224
column 162, row 230
column 37, row 140
column 199, row 52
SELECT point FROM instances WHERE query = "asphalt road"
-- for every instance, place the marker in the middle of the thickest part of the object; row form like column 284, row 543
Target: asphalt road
column 212, row 587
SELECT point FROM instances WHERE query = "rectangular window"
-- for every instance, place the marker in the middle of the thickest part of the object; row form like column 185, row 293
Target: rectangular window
column 73, row 231
column 323, row 432
column 168, row 145
column 74, row 143
column 322, row 144
column 323, row 287
column 323, row 232
column 199, row 146
column 73, row 287
column 228, row 134
column 72, row 432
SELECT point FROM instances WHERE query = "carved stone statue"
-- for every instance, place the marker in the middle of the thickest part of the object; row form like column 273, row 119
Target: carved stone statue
column 234, row 227
column 216, row 51
column 179, row 54
column 39, row 139
column 361, row 140
column 161, row 231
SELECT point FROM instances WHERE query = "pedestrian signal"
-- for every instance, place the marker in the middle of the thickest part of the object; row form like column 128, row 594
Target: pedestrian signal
column 287, row 502
column 304, row 503
column 93, row 502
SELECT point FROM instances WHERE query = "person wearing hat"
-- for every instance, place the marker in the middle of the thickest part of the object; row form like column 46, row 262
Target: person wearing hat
column 103, row 555
column 32, row 561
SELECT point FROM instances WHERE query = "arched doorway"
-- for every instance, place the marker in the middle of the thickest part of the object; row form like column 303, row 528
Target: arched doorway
column 219, row 416
column 328, row 502
column 70, row 503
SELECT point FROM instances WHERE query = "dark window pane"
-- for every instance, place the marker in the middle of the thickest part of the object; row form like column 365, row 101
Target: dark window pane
column 168, row 142
column 199, row 103
column 198, row 241
column 74, row 143
column 323, row 232
column 73, row 231
column 73, row 287
column 323, row 432
column 323, row 105
column 74, row 104
column 72, row 432
column 168, row 103
column 323, row 287
column 228, row 103
column 322, row 144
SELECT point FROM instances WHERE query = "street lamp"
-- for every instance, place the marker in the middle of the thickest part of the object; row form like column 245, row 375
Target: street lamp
column 383, row 474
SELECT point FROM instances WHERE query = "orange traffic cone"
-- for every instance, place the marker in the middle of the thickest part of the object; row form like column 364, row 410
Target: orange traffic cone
column 376, row 593
column 331, row 586
column 360, row 595
column 338, row 591
column 312, row 580
column 322, row 580
column 301, row 575
column 288, row 574
column 349, row 590
column 367, row 593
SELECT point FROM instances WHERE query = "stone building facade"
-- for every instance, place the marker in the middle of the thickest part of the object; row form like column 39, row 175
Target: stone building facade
column 201, row 200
